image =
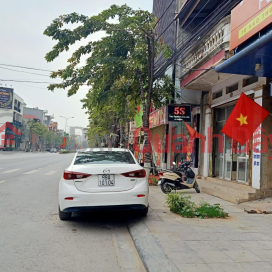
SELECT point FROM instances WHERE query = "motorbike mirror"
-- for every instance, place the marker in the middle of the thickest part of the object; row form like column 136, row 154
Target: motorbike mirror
column 174, row 163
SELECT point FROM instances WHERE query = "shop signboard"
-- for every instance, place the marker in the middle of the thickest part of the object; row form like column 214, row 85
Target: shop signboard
column 248, row 18
column 157, row 118
column 139, row 117
column 179, row 113
column 6, row 98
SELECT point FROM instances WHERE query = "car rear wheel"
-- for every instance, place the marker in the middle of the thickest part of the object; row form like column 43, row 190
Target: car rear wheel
column 64, row 215
column 143, row 212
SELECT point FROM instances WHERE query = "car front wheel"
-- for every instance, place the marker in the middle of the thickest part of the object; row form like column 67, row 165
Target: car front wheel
column 64, row 216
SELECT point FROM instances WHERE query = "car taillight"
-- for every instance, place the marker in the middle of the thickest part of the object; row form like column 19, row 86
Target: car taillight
column 135, row 174
column 74, row 175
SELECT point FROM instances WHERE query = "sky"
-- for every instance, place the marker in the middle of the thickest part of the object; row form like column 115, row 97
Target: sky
column 22, row 24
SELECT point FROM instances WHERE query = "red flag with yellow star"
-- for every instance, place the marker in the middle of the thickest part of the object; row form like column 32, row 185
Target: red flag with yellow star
column 193, row 133
column 246, row 116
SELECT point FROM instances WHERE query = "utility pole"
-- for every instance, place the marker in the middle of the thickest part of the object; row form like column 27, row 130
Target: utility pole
column 66, row 118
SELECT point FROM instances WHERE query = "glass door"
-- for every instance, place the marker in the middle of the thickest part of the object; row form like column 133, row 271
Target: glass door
column 242, row 163
column 219, row 156
column 228, row 158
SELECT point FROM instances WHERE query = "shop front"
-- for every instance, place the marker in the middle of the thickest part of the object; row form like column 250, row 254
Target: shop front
column 229, row 160
column 183, row 148
column 158, row 127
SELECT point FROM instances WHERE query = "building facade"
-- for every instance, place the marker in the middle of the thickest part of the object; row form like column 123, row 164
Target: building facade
column 218, row 55
column 11, row 111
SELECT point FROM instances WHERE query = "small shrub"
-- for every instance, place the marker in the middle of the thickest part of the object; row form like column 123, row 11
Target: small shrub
column 206, row 210
column 180, row 204
column 185, row 207
column 64, row 152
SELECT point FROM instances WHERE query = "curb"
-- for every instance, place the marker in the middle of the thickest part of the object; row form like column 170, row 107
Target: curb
column 150, row 251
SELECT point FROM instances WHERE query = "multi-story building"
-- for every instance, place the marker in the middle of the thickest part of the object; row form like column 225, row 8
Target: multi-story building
column 223, row 50
column 42, row 115
column 11, row 111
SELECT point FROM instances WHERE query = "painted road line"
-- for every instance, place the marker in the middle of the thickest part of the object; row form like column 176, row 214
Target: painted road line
column 2, row 181
column 31, row 172
column 10, row 171
column 50, row 173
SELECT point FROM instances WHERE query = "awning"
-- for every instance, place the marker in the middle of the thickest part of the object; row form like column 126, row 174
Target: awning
column 248, row 61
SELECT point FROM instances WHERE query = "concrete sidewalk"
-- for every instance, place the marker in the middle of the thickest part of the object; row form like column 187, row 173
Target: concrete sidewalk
column 243, row 242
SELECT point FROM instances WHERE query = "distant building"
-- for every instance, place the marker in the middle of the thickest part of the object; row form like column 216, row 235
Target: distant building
column 42, row 115
column 28, row 118
column 11, row 111
column 53, row 127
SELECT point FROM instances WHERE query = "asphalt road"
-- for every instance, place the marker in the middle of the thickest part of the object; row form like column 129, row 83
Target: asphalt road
column 32, row 236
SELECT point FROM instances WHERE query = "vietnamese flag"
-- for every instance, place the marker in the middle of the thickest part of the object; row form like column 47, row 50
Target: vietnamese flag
column 246, row 116
column 193, row 133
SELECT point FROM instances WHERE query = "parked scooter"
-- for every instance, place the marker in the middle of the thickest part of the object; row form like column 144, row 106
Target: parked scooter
column 182, row 178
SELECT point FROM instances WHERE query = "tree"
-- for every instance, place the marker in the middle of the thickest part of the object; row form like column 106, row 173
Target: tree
column 120, row 65
column 39, row 130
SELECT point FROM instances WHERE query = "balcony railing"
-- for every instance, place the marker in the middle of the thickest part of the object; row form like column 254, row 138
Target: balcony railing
column 216, row 40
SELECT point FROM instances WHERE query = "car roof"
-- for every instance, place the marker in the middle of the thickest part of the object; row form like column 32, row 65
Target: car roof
column 104, row 150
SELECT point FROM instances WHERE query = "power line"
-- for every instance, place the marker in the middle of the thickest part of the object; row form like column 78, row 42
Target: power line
column 186, row 46
column 23, row 67
column 175, row 40
column 27, row 81
column 23, row 72
column 182, row 42
column 164, row 13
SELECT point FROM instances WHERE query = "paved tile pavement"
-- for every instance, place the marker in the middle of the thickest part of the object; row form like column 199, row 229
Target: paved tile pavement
column 243, row 242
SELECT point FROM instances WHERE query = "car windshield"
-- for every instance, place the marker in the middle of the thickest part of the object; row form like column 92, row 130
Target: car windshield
column 104, row 157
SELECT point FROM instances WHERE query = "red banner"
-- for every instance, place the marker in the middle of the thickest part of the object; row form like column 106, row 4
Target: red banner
column 64, row 141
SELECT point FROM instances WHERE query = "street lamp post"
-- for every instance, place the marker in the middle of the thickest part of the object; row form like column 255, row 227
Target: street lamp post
column 66, row 118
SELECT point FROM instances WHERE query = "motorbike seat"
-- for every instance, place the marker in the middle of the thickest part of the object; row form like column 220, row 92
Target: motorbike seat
column 178, row 173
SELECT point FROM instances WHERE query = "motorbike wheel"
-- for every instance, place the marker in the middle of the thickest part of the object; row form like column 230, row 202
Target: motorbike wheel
column 197, row 187
column 166, row 189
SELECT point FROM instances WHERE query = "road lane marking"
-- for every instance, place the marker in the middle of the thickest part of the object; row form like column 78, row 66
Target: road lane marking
column 31, row 172
column 2, row 181
column 10, row 171
column 50, row 173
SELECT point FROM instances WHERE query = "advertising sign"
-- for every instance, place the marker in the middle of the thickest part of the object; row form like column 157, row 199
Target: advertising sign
column 178, row 113
column 139, row 117
column 248, row 18
column 157, row 118
column 6, row 98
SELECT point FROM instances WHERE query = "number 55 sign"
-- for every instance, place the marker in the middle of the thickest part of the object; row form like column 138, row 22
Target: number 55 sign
column 179, row 113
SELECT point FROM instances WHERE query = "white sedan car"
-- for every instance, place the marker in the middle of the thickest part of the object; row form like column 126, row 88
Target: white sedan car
column 103, row 178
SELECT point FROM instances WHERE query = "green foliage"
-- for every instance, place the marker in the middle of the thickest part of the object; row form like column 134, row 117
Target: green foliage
column 185, row 207
column 65, row 152
column 118, row 68
column 206, row 210
column 37, row 128
column 168, row 52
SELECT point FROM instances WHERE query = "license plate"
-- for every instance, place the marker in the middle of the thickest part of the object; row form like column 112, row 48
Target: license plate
column 106, row 180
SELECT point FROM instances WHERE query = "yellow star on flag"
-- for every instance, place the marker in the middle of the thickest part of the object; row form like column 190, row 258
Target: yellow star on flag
column 242, row 120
